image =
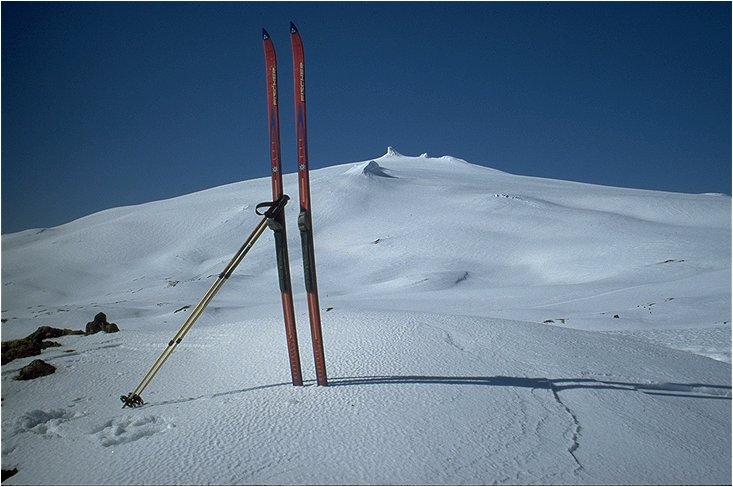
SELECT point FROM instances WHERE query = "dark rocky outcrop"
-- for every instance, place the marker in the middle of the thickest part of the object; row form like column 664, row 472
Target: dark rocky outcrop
column 100, row 324
column 13, row 349
column 35, row 369
column 45, row 332
column 34, row 343
column 7, row 473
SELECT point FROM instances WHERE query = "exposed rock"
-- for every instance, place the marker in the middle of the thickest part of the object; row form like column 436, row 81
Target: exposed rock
column 100, row 324
column 34, row 343
column 44, row 332
column 35, row 369
column 7, row 473
column 13, row 349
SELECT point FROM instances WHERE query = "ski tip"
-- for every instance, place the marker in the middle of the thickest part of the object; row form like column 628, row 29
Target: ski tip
column 293, row 28
column 265, row 35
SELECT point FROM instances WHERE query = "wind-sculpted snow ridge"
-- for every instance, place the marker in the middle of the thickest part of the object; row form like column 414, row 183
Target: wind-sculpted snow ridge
column 393, row 156
column 369, row 169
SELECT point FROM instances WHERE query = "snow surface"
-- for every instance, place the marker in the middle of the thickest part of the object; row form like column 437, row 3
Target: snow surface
column 469, row 328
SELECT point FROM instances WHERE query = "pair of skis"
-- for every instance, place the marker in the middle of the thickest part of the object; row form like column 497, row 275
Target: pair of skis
column 277, row 223
column 273, row 217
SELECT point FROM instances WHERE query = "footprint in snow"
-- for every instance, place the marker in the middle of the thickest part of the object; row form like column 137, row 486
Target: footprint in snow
column 130, row 428
column 49, row 424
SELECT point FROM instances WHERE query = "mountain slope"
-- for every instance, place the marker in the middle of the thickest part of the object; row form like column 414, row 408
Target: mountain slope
column 546, row 247
column 436, row 276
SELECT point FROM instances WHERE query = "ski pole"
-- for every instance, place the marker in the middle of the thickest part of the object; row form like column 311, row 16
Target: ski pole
column 133, row 399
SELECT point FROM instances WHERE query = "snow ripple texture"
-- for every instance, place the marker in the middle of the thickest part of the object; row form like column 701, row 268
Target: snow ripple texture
column 414, row 399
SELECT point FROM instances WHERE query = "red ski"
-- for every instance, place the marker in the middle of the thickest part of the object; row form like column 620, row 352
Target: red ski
column 305, row 222
column 277, row 223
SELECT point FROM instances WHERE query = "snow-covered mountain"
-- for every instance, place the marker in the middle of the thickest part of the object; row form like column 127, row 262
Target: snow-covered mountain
column 479, row 327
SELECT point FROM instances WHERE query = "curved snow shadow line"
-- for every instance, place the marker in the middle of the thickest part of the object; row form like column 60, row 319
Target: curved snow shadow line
column 698, row 391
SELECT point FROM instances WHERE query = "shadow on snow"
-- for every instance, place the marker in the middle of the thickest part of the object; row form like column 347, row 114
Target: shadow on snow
column 670, row 389
column 702, row 391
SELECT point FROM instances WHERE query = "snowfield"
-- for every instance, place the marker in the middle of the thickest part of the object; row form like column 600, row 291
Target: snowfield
column 479, row 328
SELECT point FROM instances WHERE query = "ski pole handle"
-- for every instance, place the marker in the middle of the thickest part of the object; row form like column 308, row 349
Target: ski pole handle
column 273, row 207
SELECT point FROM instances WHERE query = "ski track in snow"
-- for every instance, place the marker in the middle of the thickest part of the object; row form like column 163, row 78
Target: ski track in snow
column 440, row 369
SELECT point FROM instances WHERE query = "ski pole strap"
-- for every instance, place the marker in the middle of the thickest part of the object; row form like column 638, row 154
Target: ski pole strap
column 273, row 207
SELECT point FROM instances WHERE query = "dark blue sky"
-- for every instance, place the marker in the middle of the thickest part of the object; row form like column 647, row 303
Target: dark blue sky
column 110, row 104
